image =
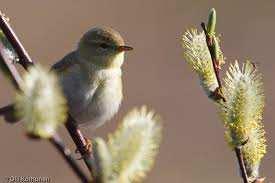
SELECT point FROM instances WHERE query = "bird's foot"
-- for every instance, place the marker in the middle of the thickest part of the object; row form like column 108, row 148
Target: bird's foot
column 88, row 146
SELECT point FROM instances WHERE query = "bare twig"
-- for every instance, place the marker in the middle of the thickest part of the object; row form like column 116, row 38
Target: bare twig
column 79, row 141
column 24, row 58
column 66, row 153
column 26, row 61
column 9, row 68
column 241, row 164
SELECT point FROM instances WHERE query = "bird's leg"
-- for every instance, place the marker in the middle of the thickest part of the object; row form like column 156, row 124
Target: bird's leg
column 88, row 147
column 84, row 146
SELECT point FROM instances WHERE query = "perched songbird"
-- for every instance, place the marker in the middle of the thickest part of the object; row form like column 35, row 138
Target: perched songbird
column 90, row 76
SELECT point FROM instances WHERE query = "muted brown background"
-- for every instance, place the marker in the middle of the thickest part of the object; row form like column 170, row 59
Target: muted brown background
column 193, row 148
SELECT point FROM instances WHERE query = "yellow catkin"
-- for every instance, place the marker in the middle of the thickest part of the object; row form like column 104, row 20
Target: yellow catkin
column 196, row 54
column 242, row 113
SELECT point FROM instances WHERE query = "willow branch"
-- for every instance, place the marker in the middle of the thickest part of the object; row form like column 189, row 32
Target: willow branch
column 9, row 68
column 80, row 142
column 239, row 156
column 57, row 142
column 210, row 42
column 24, row 58
column 26, row 61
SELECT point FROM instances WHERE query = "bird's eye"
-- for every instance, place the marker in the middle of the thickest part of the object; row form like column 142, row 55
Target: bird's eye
column 104, row 45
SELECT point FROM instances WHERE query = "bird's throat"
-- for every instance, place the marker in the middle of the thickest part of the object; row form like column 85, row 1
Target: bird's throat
column 116, row 61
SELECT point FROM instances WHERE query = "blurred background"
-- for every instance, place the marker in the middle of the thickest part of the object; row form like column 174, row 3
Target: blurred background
column 193, row 147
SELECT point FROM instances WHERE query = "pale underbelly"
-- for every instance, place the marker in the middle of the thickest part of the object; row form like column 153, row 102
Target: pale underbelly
column 89, row 103
column 101, row 107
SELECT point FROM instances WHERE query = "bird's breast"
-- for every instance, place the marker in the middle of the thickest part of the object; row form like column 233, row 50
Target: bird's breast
column 103, row 103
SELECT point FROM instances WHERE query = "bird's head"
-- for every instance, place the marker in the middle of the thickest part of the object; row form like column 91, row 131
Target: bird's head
column 103, row 47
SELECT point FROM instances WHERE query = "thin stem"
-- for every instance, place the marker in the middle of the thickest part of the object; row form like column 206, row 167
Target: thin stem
column 79, row 141
column 56, row 141
column 24, row 58
column 9, row 68
column 209, row 42
column 241, row 164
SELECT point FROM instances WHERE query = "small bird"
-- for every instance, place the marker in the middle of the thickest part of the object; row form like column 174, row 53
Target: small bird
column 90, row 76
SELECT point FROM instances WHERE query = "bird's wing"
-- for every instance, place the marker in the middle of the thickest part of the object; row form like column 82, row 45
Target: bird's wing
column 65, row 64
column 77, row 87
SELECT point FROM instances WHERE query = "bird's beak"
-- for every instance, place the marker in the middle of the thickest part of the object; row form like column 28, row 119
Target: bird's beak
column 124, row 48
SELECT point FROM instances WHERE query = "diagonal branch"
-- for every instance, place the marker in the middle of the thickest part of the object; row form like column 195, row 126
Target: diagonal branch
column 24, row 58
column 55, row 140
column 241, row 164
column 79, row 141
column 66, row 154
column 9, row 69
column 26, row 61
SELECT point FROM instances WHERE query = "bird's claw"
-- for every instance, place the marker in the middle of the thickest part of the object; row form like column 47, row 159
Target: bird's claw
column 88, row 146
